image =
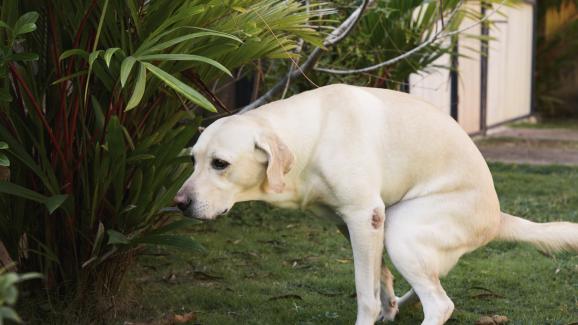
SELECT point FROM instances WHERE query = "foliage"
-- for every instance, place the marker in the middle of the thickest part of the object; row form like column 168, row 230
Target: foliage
column 9, row 293
column 4, row 161
column 556, row 62
column 96, row 122
column 388, row 29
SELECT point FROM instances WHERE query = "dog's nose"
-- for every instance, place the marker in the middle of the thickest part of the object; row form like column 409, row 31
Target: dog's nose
column 185, row 205
column 182, row 201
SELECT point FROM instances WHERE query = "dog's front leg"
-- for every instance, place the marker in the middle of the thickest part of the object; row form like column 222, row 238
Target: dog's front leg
column 365, row 227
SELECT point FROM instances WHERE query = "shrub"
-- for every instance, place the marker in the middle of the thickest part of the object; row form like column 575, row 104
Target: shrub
column 96, row 108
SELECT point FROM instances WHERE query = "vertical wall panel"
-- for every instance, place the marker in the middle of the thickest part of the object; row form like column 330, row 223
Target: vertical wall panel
column 510, row 65
column 469, row 76
column 433, row 85
column 509, row 74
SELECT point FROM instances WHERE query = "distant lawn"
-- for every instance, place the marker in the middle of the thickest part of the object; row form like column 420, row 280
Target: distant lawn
column 273, row 266
column 571, row 123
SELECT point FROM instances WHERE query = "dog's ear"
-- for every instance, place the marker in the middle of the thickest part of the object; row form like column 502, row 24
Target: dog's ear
column 279, row 161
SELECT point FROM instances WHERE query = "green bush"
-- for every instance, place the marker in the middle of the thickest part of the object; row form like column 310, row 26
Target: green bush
column 96, row 106
column 556, row 70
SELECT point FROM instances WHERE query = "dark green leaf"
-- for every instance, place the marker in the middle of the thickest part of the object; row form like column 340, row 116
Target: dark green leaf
column 9, row 313
column 181, row 87
column 140, row 157
column 98, row 239
column 26, row 23
column 139, row 89
column 17, row 190
column 93, row 56
column 71, row 76
column 69, row 53
column 187, row 37
column 25, row 29
column 54, row 202
column 10, row 294
column 125, row 69
column 108, row 55
column 4, row 25
column 115, row 237
column 185, row 57
column 29, row 276
column 51, row 203
column 4, row 161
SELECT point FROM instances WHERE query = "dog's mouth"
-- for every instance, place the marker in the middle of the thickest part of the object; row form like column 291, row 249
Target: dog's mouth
column 191, row 215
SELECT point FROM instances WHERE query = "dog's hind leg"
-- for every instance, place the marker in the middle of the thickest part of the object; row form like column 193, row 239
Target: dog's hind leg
column 423, row 248
column 418, row 265
column 389, row 302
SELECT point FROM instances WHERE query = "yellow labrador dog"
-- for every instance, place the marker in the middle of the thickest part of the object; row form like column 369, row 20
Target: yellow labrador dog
column 393, row 169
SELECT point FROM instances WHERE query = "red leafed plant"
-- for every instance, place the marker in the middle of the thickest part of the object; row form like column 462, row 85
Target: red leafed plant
column 96, row 108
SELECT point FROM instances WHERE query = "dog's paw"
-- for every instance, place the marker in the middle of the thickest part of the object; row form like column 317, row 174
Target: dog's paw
column 389, row 310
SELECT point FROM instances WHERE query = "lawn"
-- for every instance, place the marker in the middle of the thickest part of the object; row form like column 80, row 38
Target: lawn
column 272, row 266
column 549, row 124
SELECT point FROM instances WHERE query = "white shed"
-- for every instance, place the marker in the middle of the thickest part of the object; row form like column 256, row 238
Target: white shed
column 492, row 86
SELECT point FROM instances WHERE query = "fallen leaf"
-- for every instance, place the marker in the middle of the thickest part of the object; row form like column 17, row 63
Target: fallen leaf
column 185, row 318
column 499, row 319
column 485, row 320
column 494, row 320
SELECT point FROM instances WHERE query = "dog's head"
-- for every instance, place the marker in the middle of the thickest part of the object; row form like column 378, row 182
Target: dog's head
column 236, row 158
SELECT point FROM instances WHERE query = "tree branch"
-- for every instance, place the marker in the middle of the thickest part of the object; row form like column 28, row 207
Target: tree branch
column 333, row 38
column 442, row 34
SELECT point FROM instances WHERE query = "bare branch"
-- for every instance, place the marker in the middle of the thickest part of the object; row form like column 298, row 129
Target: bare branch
column 442, row 34
column 333, row 38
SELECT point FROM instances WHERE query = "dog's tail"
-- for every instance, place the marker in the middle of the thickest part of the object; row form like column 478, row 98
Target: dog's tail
column 548, row 237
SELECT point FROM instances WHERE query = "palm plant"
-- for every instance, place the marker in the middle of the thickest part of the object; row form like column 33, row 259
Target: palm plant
column 393, row 28
column 96, row 108
column 394, row 39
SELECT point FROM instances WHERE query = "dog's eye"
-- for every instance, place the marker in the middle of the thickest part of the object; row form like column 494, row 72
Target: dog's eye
column 219, row 164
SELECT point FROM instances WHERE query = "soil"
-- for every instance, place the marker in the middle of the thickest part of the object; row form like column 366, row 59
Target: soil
column 531, row 146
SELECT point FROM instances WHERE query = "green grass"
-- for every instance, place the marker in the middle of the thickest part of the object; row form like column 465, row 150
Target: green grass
column 274, row 266
column 570, row 123
column 534, row 143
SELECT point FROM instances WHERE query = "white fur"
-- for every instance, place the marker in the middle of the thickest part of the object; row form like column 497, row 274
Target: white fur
column 354, row 154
